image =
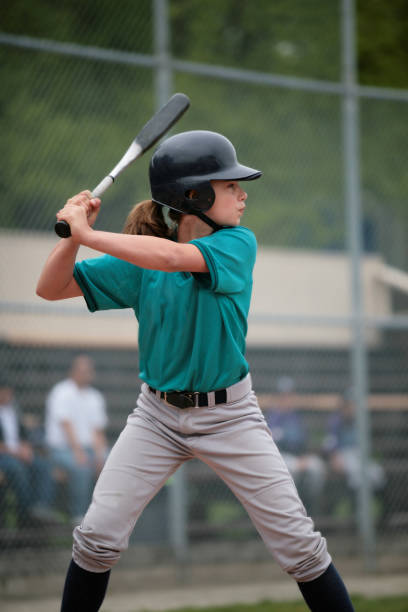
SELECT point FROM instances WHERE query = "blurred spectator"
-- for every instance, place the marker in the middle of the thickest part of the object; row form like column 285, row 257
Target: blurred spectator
column 341, row 446
column 26, row 472
column 307, row 469
column 75, row 423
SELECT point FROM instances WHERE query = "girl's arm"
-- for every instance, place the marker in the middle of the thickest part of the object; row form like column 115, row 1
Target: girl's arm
column 144, row 251
column 56, row 281
column 147, row 251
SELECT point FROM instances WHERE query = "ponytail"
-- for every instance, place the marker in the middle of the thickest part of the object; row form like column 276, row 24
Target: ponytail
column 146, row 218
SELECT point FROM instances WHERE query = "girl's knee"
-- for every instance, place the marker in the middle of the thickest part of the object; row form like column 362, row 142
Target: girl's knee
column 92, row 552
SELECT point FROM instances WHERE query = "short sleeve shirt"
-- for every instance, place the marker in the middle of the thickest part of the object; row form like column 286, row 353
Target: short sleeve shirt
column 192, row 327
column 84, row 408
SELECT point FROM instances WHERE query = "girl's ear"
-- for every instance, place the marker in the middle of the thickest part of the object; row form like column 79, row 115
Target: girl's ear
column 192, row 194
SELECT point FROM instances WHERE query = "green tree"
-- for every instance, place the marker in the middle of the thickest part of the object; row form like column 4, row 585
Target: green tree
column 382, row 29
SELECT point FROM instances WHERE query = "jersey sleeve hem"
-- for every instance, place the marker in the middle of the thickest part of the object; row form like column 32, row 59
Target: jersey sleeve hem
column 90, row 302
column 212, row 269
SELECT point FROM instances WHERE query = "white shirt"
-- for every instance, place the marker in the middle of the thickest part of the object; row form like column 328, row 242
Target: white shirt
column 83, row 407
column 9, row 424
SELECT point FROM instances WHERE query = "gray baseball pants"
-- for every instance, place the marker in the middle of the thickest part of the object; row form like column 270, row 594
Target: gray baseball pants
column 234, row 440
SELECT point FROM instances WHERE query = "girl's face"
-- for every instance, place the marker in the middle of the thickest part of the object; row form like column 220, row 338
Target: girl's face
column 229, row 203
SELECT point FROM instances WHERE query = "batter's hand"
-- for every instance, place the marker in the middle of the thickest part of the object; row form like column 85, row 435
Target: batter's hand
column 80, row 213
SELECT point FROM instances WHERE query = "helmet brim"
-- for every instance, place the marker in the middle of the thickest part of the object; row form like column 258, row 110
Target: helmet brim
column 235, row 173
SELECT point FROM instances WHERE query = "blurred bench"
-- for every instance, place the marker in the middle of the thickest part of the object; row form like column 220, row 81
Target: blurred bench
column 389, row 434
column 33, row 533
column 214, row 511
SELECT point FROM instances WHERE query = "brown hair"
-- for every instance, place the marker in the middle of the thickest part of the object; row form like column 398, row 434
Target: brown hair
column 146, row 218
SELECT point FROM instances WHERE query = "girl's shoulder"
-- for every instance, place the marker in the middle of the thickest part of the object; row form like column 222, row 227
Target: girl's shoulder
column 234, row 234
column 239, row 237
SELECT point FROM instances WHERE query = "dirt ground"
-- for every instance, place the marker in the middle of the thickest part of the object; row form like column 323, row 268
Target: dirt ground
column 162, row 588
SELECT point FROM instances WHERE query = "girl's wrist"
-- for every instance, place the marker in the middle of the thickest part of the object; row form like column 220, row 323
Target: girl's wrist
column 68, row 246
column 85, row 236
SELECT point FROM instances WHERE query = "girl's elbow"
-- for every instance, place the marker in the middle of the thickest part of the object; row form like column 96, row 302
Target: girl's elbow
column 46, row 293
column 43, row 294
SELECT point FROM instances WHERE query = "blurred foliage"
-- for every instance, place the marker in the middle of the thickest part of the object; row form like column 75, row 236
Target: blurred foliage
column 83, row 22
column 65, row 121
column 284, row 36
column 279, row 37
column 383, row 42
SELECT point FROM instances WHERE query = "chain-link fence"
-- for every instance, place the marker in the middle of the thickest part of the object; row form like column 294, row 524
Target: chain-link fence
column 328, row 337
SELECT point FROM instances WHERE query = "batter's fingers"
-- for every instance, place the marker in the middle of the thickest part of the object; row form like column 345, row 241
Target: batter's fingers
column 61, row 215
column 86, row 193
column 83, row 202
column 72, row 209
column 81, row 197
column 71, row 205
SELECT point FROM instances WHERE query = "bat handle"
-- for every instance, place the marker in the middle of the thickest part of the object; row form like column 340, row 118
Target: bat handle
column 62, row 227
column 102, row 187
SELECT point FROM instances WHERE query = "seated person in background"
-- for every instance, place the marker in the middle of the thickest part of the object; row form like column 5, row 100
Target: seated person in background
column 341, row 447
column 307, row 469
column 75, row 423
column 27, row 473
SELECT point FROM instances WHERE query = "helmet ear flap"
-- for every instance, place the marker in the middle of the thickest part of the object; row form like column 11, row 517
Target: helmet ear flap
column 199, row 196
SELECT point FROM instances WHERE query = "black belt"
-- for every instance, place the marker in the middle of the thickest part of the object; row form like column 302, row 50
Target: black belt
column 189, row 399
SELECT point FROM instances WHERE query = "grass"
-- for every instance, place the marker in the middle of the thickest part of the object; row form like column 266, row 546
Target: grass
column 361, row 604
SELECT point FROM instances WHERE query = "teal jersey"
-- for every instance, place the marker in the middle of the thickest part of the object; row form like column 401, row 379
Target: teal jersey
column 192, row 327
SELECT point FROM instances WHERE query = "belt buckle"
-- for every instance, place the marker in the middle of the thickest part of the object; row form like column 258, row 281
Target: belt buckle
column 183, row 399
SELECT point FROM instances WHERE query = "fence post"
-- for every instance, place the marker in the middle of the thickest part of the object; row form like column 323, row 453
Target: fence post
column 161, row 36
column 351, row 152
column 178, row 520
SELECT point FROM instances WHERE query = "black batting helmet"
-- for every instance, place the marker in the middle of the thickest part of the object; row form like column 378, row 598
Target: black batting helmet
column 183, row 165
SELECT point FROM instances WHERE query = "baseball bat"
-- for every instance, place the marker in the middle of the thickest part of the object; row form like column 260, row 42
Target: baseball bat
column 150, row 133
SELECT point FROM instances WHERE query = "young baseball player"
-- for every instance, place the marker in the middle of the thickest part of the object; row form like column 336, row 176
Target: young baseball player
column 188, row 278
